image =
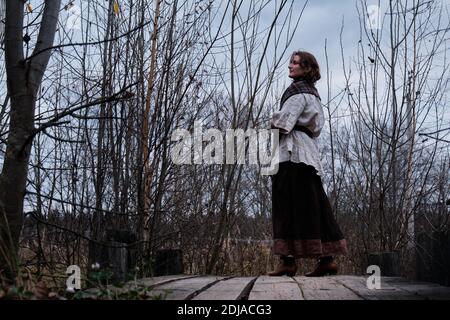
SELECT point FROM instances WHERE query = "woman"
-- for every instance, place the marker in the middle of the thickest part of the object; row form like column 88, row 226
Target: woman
column 303, row 222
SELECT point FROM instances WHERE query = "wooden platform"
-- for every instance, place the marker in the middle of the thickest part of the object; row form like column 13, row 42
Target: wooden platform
column 339, row 287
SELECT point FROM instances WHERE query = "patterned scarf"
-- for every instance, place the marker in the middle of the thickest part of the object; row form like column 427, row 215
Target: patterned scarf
column 298, row 86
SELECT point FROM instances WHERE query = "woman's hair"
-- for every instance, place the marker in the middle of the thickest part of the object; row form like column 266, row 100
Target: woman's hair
column 308, row 60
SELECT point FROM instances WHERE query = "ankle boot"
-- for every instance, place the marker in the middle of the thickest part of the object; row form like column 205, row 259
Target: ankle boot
column 325, row 266
column 287, row 267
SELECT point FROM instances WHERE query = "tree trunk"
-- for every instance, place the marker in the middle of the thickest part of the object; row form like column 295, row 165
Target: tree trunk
column 23, row 79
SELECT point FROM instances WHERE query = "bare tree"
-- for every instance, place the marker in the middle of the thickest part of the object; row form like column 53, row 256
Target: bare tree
column 24, row 76
column 396, row 83
column 116, row 87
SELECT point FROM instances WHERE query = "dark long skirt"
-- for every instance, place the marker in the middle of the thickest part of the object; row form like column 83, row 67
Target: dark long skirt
column 303, row 221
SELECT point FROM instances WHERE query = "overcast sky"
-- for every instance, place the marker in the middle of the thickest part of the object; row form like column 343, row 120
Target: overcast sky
column 322, row 19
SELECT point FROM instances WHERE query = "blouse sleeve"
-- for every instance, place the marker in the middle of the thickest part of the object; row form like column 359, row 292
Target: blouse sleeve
column 286, row 118
column 319, row 122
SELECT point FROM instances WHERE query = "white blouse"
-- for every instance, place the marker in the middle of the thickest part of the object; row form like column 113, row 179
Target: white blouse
column 296, row 146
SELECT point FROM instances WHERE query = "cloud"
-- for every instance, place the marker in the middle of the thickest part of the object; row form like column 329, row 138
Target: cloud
column 322, row 20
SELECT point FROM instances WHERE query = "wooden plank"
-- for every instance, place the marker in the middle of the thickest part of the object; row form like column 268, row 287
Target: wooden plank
column 428, row 290
column 275, row 288
column 181, row 289
column 358, row 284
column 154, row 281
column 324, row 288
column 225, row 290
column 178, row 287
column 137, row 285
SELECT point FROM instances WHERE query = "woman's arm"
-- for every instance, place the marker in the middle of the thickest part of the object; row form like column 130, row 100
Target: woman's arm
column 285, row 119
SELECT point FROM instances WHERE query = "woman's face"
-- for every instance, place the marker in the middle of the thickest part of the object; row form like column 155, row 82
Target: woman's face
column 295, row 69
